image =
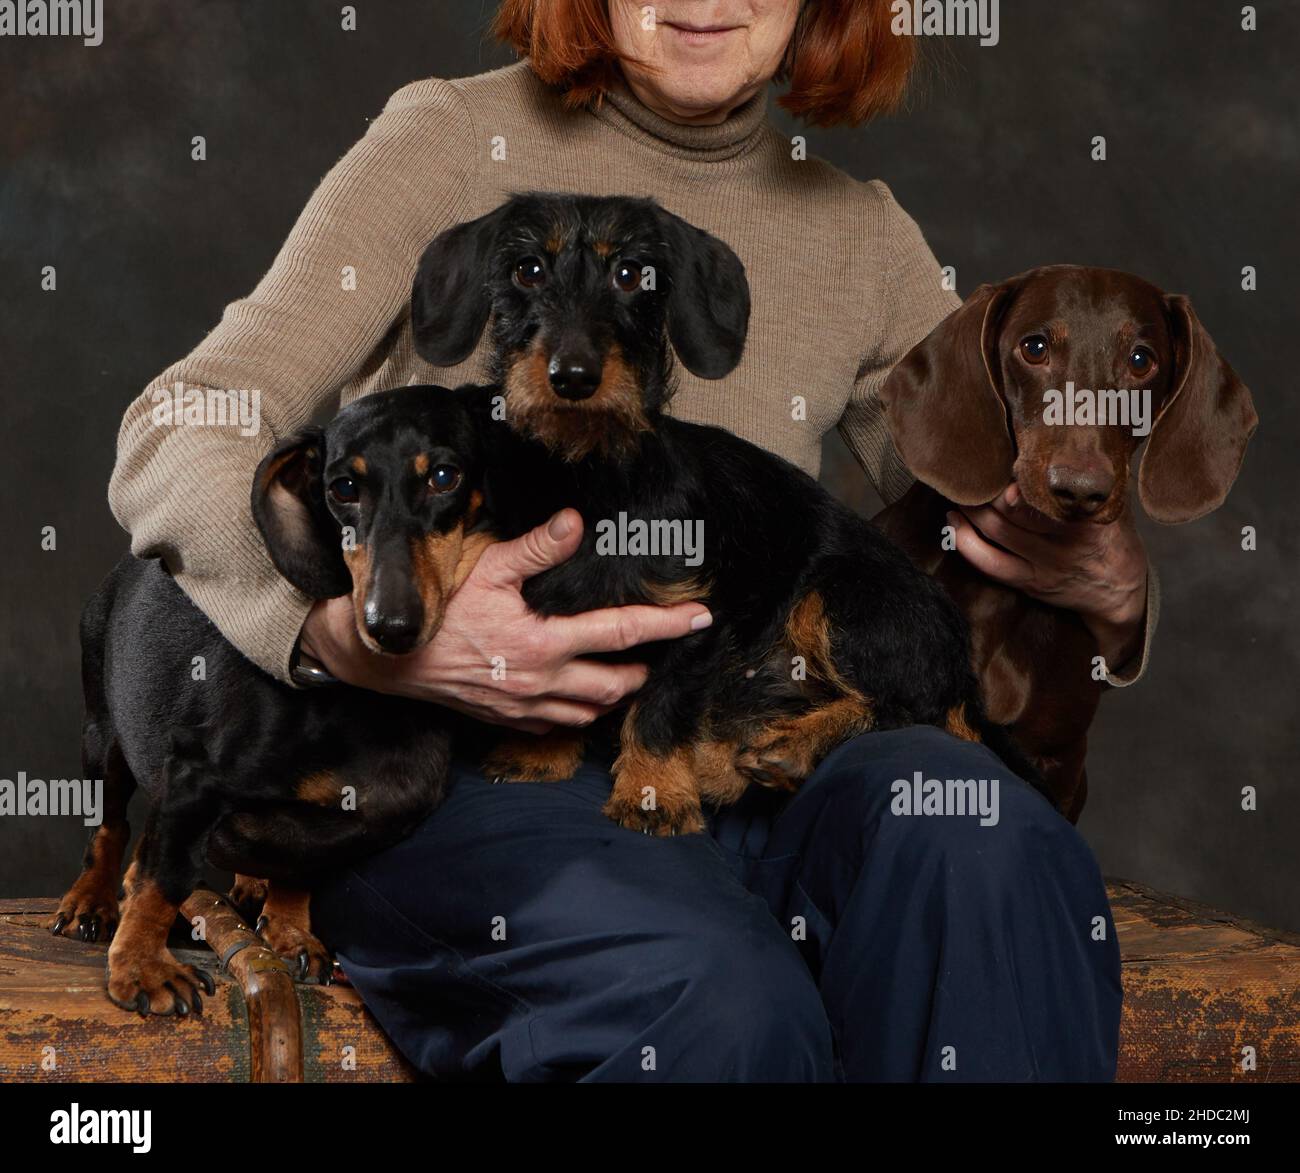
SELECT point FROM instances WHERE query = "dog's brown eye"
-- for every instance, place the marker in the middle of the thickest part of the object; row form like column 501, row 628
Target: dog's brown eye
column 444, row 478
column 530, row 272
column 1034, row 348
column 1141, row 361
column 345, row 491
column 626, row 276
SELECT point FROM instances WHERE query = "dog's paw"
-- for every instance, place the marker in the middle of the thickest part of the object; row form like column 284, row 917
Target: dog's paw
column 156, row 984
column 247, row 894
column 778, row 758
column 549, row 758
column 308, row 960
column 89, row 912
column 663, row 818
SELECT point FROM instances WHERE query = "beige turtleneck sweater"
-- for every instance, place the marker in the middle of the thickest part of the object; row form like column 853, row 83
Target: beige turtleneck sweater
column 843, row 284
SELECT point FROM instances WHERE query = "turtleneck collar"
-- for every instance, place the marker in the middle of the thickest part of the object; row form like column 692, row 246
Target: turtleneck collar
column 738, row 133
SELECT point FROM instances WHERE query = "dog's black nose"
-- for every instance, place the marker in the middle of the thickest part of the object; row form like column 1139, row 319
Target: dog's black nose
column 1080, row 490
column 394, row 633
column 574, row 376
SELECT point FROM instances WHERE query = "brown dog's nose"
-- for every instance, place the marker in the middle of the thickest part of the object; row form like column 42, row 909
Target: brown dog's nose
column 1080, row 490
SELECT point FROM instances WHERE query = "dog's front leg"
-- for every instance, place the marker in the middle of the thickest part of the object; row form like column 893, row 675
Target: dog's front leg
column 523, row 757
column 656, row 789
column 285, row 925
column 142, row 973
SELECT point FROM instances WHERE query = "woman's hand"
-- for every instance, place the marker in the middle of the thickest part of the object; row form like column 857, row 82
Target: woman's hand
column 493, row 658
column 1100, row 571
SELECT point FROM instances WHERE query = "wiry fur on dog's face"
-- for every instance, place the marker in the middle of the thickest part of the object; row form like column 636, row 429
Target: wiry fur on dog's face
column 969, row 407
column 584, row 294
column 399, row 473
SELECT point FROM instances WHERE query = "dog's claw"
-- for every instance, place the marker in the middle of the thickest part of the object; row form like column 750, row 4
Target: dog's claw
column 57, row 927
column 179, row 1005
column 142, row 1004
column 209, row 986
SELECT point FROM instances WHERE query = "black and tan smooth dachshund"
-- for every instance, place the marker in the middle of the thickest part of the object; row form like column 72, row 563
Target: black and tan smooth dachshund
column 983, row 401
column 244, row 772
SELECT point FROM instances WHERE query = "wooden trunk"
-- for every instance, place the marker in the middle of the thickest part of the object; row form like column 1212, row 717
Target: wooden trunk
column 57, row 1024
column 1199, row 986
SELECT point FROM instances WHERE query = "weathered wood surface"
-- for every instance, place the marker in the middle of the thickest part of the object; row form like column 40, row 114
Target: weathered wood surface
column 53, row 1009
column 1199, row 986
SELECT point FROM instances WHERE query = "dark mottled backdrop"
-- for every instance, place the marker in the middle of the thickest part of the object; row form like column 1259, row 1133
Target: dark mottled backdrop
column 993, row 161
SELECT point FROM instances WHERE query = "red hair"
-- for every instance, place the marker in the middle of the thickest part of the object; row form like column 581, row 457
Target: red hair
column 843, row 63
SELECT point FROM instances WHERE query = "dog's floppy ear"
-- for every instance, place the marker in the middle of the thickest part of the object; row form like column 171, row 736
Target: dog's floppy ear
column 708, row 300
column 943, row 407
column 289, row 507
column 1199, row 438
column 451, row 297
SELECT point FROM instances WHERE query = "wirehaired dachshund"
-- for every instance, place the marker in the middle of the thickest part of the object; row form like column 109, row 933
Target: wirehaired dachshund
column 982, row 401
column 273, row 782
column 822, row 628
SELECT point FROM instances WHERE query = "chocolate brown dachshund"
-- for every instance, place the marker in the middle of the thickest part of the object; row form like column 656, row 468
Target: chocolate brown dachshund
column 1023, row 382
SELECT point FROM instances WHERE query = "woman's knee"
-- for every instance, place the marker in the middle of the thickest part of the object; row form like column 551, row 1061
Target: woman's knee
column 926, row 796
column 745, row 1006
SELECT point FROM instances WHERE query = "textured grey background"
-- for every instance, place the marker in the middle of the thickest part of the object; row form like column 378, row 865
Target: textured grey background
column 992, row 159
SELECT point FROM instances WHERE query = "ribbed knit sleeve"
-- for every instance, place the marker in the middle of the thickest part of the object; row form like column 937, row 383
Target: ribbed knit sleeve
column 912, row 302
column 338, row 285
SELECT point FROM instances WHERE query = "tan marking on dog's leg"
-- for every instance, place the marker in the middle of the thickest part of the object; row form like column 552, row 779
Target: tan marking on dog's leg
column 720, row 782
column 142, row 973
column 285, row 926
column 552, row 757
column 89, row 909
column 788, row 750
column 659, row 795
column 247, row 894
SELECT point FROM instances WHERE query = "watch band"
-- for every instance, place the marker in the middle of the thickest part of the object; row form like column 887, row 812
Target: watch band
column 308, row 672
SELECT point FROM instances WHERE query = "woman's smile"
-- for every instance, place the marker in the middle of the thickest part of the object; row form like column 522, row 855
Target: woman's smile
column 700, row 35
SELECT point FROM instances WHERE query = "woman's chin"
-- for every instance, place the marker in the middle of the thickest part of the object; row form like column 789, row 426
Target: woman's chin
column 700, row 95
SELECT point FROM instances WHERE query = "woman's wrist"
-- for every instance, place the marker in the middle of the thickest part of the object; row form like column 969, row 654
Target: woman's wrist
column 310, row 643
column 1119, row 630
column 328, row 639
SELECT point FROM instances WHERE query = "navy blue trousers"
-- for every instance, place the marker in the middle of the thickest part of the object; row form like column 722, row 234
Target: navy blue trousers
column 519, row 934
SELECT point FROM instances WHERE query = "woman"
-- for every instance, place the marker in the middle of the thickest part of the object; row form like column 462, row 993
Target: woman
column 518, row 933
